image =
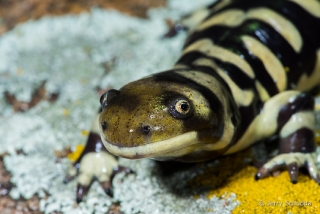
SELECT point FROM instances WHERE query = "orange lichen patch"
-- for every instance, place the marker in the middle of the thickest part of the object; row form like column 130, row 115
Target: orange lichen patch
column 217, row 175
column 76, row 154
column 66, row 112
column 269, row 195
column 273, row 194
column 317, row 106
column 85, row 132
column 317, row 140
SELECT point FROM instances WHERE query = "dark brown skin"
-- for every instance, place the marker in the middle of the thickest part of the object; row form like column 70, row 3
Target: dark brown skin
column 130, row 120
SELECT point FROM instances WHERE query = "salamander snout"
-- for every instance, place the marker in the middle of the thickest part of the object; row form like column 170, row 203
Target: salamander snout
column 146, row 112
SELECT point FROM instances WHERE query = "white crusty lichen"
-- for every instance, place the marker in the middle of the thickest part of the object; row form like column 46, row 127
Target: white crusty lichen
column 68, row 55
column 171, row 190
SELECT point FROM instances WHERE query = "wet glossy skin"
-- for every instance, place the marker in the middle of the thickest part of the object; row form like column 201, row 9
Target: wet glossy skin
column 138, row 120
column 175, row 114
column 242, row 78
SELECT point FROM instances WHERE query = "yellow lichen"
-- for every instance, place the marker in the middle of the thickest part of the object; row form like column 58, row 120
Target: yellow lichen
column 66, row 112
column 20, row 71
column 85, row 132
column 78, row 102
column 317, row 139
column 76, row 154
column 269, row 195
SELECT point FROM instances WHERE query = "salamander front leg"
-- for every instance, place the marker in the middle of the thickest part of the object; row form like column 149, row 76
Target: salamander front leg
column 293, row 161
column 297, row 147
column 95, row 162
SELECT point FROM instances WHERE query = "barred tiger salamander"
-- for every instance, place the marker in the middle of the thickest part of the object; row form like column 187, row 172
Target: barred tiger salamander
column 243, row 76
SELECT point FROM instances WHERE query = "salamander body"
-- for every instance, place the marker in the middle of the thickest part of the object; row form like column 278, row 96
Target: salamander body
column 243, row 76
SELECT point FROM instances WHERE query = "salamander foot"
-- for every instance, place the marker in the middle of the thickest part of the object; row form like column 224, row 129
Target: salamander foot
column 291, row 161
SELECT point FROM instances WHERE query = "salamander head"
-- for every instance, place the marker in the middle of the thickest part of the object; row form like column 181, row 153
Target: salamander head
column 164, row 116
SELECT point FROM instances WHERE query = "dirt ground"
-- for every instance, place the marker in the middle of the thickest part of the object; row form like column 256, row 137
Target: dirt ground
column 17, row 11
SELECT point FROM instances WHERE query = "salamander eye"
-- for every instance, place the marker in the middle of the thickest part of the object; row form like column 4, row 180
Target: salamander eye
column 180, row 107
column 104, row 125
column 107, row 97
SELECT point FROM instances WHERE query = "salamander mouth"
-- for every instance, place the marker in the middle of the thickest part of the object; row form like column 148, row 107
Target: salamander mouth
column 173, row 147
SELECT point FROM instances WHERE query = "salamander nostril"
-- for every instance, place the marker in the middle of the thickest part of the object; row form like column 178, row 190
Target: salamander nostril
column 145, row 129
column 104, row 125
